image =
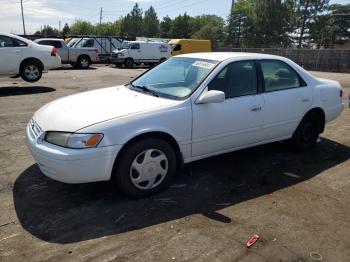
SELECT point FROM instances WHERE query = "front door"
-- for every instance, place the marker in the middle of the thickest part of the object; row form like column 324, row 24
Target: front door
column 234, row 123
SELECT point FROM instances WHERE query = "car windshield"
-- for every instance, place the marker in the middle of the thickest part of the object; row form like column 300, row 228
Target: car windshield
column 175, row 78
column 125, row 45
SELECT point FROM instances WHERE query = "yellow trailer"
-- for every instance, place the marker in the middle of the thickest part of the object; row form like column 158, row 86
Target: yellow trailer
column 185, row 46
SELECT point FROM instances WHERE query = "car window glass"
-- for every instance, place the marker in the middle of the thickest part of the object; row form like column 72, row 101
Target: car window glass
column 236, row 79
column 89, row 43
column 18, row 43
column 177, row 48
column 5, row 41
column 176, row 77
column 278, row 76
column 135, row 46
column 56, row 44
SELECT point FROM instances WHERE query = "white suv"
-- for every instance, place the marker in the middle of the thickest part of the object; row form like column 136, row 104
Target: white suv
column 22, row 57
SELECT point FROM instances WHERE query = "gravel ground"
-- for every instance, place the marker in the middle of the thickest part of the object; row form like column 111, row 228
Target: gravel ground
column 297, row 203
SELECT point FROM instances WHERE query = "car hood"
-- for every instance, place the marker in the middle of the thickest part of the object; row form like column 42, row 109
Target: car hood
column 75, row 112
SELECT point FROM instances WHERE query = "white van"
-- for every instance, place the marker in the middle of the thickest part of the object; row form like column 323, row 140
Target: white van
column 137, row 52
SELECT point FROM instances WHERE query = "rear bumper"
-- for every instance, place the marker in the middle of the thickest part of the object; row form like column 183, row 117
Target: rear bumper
column 333, row 112
column 52, row 63
column 72, row 165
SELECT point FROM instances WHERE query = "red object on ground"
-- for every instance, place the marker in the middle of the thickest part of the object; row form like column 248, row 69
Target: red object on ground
column 252, row 240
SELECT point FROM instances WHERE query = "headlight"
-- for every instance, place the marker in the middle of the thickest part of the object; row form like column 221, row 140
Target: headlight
column 73, row 140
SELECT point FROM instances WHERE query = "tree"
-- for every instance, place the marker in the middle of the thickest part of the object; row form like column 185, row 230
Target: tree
column 65, row 30
column 208, row 27
column 260, row 23
column 182, row 26
column 131, row 24
column 48, row 31
column 108, row 29
column 306, row 11
column 80, row 27
column 330, row 27
column 151, row 23
column 165, row 27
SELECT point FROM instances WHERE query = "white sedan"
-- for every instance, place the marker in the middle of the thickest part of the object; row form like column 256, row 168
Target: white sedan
column 188, row 108
column 22, row 57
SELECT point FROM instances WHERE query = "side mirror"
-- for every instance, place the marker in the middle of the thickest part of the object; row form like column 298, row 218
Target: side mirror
column 212, row 96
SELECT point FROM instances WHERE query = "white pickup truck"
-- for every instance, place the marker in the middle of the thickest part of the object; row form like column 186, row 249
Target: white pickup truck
column 80, row 57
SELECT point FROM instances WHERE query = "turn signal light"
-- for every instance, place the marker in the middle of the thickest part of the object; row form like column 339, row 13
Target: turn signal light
column 93, row 140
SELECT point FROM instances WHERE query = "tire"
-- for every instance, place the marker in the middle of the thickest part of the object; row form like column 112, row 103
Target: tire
column 129, row 63
column 31, row 71
column 307, row 133
column 145, row 168
column 118, row 65
column 84, row 62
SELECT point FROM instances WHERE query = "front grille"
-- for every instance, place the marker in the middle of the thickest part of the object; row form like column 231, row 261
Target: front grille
column 34, row 128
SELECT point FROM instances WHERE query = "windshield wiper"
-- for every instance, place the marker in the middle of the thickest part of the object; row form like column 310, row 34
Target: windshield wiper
column 146, row 89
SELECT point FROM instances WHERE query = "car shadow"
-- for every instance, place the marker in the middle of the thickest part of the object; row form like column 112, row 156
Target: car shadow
column 24, row 90
column 62, row 213
column 71, row 68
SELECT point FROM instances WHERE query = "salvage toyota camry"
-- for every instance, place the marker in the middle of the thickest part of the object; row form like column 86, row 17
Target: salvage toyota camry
column 187, row 108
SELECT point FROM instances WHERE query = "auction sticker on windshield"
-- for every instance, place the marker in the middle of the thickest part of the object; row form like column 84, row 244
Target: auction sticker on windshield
column 203, row 64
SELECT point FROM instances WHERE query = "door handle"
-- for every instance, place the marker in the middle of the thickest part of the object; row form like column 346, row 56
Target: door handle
column 17, row 51
column 305, row 100
column 255, row 108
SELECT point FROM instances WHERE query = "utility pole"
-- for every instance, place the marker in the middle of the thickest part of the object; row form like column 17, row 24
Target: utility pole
column 59, row 25
column 101, row 16
column 24, row 27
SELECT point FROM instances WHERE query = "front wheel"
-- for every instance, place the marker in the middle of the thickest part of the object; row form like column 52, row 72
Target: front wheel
column 129, row 63
column 31, row 71
column 307, row 133
column 145, row 168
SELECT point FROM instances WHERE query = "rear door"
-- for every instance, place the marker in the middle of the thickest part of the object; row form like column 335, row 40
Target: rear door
column 286, row 99
column 11, row 52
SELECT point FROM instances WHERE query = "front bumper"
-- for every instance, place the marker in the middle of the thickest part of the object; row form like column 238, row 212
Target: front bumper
column 71, row 165
column 116, row 60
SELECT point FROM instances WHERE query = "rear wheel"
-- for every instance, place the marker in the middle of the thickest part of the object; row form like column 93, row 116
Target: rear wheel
column 129, row 63
column 84, row 62
column 145, row 167
column 31, row 71
column 307, row 133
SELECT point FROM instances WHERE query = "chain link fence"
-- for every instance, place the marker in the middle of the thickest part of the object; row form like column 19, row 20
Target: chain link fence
column 333, row 60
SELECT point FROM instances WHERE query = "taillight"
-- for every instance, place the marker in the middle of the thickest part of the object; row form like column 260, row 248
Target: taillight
column 96, row 50
column 54, row 51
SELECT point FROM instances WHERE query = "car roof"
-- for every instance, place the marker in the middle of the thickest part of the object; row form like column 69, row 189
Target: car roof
column 49, row 39
column 221, row 56
column 18, row 37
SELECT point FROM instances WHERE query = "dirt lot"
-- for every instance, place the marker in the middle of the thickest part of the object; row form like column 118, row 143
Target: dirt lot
column 297, row 203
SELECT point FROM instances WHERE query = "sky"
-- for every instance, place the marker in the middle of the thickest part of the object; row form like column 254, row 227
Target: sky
column 40, row 12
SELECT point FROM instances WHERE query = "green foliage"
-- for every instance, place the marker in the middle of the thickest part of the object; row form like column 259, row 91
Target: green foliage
column 131, row 24
column 47, row 31
column 165, row 27
column 65, row 29
column 80, row 27
column 251, row 23
column 331, row 27
column 151, row 23
column 182, row 26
